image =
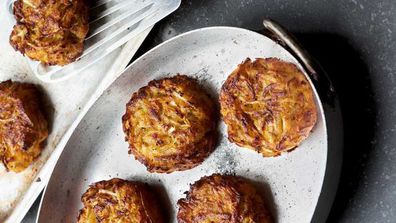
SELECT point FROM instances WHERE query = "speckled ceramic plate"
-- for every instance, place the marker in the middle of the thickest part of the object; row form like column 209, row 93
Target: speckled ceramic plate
column 292, row 182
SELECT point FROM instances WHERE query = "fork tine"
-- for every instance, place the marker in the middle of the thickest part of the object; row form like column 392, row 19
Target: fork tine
column 117, row 19
column 119, row 30
column 111, row 10
column 127, row 37
column 100, row 3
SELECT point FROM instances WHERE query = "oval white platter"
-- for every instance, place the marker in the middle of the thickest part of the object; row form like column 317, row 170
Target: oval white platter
column 97, row 151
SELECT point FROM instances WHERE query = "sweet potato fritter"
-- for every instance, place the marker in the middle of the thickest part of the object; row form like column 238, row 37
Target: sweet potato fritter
column 50, row 31
column 268, row 106
column 170, row 124
column 222, row 199
column 23, row 126
column 118, row 200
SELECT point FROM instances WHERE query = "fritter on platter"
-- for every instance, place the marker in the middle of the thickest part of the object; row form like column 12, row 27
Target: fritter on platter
column 268, row 106
column 118, row 200
column 50, row 31
column 170, row 124
column 222, row 199
column 23, row 127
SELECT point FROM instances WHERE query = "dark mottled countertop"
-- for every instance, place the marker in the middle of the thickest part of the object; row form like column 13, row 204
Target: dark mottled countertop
column 355, row 42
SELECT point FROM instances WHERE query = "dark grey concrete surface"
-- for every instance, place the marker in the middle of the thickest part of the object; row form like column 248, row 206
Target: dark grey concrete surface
column 355, row 42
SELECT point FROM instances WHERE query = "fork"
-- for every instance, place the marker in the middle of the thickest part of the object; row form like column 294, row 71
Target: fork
column 112, row 23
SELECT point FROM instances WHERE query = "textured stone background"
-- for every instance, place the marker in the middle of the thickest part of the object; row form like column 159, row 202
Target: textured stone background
column 355, row 42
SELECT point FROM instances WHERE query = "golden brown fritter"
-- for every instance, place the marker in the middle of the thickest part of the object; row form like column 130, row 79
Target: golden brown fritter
column 222, row 199
column 23, row 126
column 268, row 106
column 170, row 124
column 50, row 31
column 118, row 200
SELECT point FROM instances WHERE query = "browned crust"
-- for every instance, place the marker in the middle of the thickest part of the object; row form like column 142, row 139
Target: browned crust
column 51, row 32
column 268, row 106
column 23, row 127
column 118, row 200
column 170, row 124
column 222, row 198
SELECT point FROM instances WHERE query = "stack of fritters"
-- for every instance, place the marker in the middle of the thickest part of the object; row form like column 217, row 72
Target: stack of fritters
column 223, row 199
column 50, row 31
column 268, row 106
column 170, row 124
column 23, row 126
column 118, row 200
